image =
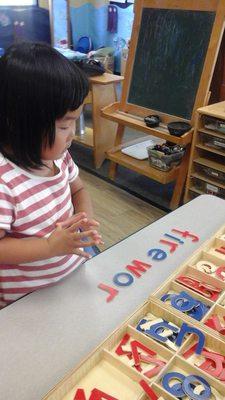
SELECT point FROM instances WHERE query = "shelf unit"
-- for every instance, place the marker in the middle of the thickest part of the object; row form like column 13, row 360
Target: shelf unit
column 112, row 112
column 206, row 173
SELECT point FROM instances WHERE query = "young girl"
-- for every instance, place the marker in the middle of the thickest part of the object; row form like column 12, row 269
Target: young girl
column 41, row 239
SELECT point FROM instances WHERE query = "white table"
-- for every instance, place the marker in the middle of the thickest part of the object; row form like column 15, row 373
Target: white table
column 47, row 333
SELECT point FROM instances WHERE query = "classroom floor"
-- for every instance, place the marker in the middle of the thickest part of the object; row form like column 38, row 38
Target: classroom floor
column 120, row 214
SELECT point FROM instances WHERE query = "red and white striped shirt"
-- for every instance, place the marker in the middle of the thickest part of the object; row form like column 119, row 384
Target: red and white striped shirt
column 30, row 206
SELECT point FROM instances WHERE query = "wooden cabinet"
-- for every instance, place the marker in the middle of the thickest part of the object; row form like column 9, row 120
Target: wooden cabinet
column 206, row 172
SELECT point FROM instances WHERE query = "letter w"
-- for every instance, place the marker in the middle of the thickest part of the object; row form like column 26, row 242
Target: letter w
column 138, row 267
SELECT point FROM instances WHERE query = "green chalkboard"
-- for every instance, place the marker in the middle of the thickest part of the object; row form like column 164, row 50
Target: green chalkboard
column 170, row 54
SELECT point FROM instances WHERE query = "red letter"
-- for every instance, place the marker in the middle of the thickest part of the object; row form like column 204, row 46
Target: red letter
column 186, row 234
column 221, row 250
column 112, row 292
column 97, row 394
column 138, row 266
column 150, row 393
column 172, row 245
column 136, row 356
column 79, row 395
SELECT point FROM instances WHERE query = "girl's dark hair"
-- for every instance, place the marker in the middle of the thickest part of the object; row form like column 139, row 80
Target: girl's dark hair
column 38, row 85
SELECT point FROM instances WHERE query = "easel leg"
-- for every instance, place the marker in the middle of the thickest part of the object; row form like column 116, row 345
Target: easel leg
column 180, row 181
column 112, row 170
column 113, row 165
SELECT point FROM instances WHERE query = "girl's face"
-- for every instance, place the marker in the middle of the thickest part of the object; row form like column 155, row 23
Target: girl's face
column 64, row 133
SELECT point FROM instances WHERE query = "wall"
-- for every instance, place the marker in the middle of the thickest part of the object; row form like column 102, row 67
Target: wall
column 23, row 23
column 90, row 19
column 60, row 23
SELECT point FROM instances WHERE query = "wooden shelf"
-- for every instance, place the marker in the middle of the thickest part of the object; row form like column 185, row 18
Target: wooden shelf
column 210, row 164
column 210, row 149
column 86, row 139
column 135, row 122
column 106, row 79
column 203, row 155
column 195, row 190
column 143, row 167
column 216, row 110
column 212, row 133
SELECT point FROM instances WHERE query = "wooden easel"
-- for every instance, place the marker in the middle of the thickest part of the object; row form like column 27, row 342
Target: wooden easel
column 130, row 114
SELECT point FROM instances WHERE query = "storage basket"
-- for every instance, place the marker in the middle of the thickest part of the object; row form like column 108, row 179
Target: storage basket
column 159, row 160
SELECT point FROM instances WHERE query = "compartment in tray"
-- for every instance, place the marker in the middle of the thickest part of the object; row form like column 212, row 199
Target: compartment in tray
column 179, row 365
column 210, row 265
column 210, row 172
column 104, row 373
column 141, row 353
column 212, row 358
column 184, row 300
column 158, row 391
column 212, row 141
column 162, row 394
column 217, row 249
column 222, row 301
column 207, row 188
column 153, row 311
column 215, row 320
column 198, row 282
column 221, row 234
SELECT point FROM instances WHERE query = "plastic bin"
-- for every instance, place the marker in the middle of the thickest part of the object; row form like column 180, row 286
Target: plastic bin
column 212, row 141
column 212, row 173
column 159, row 160
column 214, row 124
column 208, row 188
column 106, row 56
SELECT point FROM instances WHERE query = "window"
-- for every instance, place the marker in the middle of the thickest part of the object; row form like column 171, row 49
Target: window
column 18, row 2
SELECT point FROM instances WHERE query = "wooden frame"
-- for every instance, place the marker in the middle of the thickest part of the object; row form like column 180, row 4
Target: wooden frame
column 201, row 5
column 86, row 375
column 126, row 114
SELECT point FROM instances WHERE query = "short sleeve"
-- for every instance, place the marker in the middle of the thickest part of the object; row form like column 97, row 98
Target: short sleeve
column 6, row 208
column 72, row 167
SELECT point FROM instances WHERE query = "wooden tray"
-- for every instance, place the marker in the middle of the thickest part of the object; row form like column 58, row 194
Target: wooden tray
column 115, row 374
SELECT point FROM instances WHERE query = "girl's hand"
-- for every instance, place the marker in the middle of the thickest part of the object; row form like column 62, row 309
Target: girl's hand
column 65, row 241
column 85, row 224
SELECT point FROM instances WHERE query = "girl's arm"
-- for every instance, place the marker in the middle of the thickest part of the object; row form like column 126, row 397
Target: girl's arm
column 17, row 251
column 61, row 242
column 82, row 205
column 81, row 198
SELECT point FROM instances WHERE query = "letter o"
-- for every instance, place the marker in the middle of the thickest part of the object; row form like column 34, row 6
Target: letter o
column 129, row 279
